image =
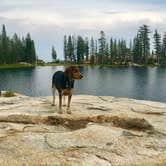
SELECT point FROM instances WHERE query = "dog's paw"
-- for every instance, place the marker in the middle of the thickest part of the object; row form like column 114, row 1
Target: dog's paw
column 69, row 112
column 60, row 112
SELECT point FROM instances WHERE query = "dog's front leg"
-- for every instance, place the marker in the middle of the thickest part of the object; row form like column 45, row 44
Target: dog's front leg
column 64, row 101
column 60, row 103
column 53, row 95
column 68, row 105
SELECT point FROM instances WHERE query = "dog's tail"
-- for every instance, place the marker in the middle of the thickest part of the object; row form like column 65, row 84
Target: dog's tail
column 53, row 90
column 53, row 94
column 53, row 81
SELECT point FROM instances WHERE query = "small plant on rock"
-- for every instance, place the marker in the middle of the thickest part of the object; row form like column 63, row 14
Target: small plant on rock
column 8, row 94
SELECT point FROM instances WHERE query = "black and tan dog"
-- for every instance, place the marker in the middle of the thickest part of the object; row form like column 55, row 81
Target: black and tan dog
column 63, row 82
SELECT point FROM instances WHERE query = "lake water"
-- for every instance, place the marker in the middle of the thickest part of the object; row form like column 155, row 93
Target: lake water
column 147, row 83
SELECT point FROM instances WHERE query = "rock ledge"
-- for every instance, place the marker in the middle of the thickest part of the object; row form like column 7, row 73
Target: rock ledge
column 101, row 130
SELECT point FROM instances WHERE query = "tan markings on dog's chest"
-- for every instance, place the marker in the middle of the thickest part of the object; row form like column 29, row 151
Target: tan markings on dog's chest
column 66, row 92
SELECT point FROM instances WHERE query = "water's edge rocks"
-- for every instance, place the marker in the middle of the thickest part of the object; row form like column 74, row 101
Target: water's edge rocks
column 102, row 130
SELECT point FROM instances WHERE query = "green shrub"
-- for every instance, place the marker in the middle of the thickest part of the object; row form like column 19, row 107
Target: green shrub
column 8, row 94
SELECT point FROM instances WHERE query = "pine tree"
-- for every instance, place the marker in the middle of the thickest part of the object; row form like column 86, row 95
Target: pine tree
column 102, row 47
column 163, row 54
column 65, row 50
column 92, row 59
column 131, row 51
column 80, row 50
column 70, row 48
column 30, row 53
column 5, row 46
column 124, row 51
column 33, row 52
column 145, row 41
column 1, row 55
column 157, row 46
column 106, row 57
column 137, row 49
column 92, row 47
column 112, row 51
column 54, row 54
column 86, row 49
column 96, row 51
column 23, row 57
column 119, row 53
column 74, row 41
column 92, row 51
column 17, row 49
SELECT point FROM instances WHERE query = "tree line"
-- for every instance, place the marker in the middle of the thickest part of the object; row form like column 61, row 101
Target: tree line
column 16, row 49
column 103, row 51
column 80, row 50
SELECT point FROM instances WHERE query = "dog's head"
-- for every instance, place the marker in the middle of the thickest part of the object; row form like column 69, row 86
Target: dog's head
column 72, row 72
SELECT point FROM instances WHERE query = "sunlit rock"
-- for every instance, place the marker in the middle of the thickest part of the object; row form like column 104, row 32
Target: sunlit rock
column 103, row 131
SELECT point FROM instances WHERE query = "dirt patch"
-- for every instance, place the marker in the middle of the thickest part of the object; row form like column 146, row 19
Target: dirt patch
column 126, row 123
column 132, row 123
column 75, row 123
column 71, row 124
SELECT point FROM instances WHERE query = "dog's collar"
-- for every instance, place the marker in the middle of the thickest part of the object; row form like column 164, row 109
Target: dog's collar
column 69, row 84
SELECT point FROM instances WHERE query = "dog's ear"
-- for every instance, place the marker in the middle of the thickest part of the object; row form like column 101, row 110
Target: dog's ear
column 68, row 72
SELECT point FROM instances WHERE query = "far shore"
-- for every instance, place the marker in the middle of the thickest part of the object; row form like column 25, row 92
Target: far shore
column 27, row 65
column 12, row 66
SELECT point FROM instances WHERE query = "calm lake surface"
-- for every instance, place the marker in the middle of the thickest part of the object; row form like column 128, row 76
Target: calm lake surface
column 147, row 83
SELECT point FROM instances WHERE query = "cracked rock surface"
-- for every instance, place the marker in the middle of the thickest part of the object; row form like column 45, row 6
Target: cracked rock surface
column 101, row 131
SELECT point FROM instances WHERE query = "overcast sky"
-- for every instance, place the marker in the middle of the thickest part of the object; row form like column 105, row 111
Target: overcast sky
column 49, row 20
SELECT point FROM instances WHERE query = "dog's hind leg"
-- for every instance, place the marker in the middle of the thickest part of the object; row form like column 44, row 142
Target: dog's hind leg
column 53, row 95
column 64, row 100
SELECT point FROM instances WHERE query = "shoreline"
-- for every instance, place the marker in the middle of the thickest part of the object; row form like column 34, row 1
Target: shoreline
column 15, row 94
column 14, row 66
